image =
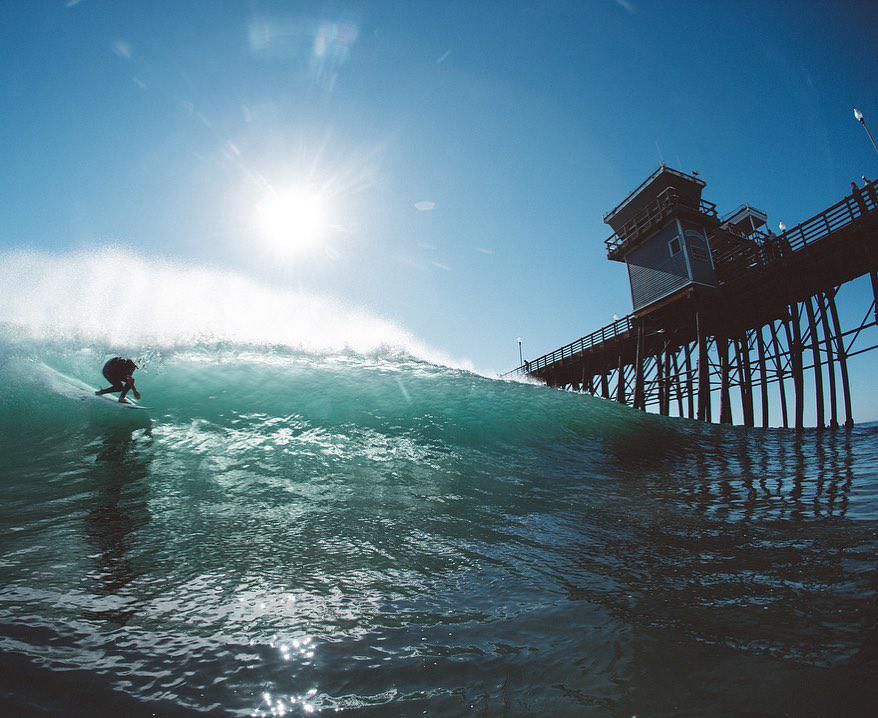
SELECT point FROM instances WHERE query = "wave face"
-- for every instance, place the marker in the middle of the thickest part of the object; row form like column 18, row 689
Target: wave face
column 327, row 519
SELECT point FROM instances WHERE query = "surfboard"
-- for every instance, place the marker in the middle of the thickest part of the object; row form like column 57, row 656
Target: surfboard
column 73, row 388
column 114, row 400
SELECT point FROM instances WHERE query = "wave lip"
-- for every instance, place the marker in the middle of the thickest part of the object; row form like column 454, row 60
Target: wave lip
column 113, row 297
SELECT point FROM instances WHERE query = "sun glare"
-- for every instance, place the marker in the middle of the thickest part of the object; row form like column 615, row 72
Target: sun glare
column 292, row 220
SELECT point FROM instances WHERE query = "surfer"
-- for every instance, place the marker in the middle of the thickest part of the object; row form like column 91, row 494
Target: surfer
column 118, row 372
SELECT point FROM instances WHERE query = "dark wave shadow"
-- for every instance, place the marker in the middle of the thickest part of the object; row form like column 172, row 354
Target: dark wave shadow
column 119, row 509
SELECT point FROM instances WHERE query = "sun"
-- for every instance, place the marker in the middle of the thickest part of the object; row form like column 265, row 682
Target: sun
column 292, row 220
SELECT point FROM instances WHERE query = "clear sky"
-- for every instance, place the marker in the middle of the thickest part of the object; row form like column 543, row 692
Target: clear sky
column 463, row 153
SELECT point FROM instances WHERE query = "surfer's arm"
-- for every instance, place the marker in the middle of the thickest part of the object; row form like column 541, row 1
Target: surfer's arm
column 130, row 381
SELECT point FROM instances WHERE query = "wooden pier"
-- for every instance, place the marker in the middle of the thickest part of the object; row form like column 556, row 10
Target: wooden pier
column 723, row 306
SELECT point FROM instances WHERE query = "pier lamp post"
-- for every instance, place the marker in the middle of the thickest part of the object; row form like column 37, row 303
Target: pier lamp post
column 520, row 357
column 862, row 121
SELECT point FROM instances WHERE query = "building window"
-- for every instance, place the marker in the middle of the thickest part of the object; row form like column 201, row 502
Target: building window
column 696, row 251
column 674, row 246
column 697, row 246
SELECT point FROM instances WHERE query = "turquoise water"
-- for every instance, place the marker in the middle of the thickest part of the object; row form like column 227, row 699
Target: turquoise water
column 291, row 533
column 341, row 524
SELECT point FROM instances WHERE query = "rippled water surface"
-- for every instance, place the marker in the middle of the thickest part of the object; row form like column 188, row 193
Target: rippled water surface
column 291, row 534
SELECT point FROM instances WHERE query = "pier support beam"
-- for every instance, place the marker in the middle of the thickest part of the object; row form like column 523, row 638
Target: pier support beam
column 605, row 385
column 742, row 355
column 830, row 362
column 795, row 342
column 639, row 399
column 620, row 383
column 660, row 382
column 703, row 370
column 818, row 369
column 763, row 376
column 676, row 382
column 745, row 343
column 781, row 377
column 842, row 361
column 690, row 399
column 725, row 405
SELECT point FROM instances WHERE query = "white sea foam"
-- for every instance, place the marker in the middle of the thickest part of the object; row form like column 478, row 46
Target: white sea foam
column 118, row 298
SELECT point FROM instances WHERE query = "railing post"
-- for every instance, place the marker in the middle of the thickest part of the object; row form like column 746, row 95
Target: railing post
column 850, row 209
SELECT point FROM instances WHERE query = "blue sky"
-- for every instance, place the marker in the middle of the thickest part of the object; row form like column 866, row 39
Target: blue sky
column 513, row 126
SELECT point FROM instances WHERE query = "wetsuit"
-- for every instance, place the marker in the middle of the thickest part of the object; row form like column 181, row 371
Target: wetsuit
column 118, row 372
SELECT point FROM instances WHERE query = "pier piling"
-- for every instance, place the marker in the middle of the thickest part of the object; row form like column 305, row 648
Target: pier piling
column 830, row 362
column 818, row 371
column 725, row 404
column 763, row 377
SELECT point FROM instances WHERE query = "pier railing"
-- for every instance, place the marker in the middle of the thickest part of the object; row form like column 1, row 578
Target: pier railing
column 830, row 220
column 611, row 331
column 771, row 248
column 654, row 214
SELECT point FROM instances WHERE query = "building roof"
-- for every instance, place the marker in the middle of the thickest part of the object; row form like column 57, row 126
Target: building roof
column 688, row 188
column 745, row 218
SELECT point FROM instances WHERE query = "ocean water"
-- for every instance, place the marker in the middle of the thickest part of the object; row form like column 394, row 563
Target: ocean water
column 346, row 524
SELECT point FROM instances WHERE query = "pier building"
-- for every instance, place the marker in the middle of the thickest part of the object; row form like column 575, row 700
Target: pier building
column 721, row 303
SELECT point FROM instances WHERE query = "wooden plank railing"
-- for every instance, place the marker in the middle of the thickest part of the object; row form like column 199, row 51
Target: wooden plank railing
column 771, row 248
column 589, row 341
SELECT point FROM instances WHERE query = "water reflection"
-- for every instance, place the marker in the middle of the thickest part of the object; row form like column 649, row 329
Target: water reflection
column 118, row 509
column 747, row 475
column 750, row 553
